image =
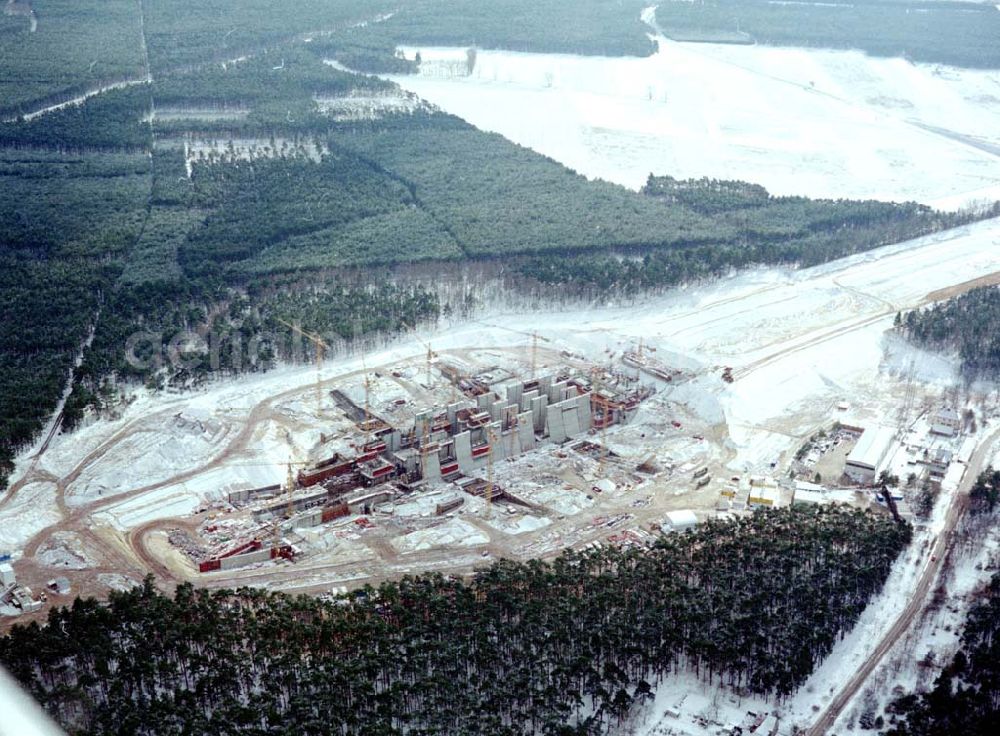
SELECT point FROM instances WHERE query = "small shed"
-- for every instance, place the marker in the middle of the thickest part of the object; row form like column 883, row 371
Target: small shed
column 6, row 575
column 59, row 585
column 767, row 727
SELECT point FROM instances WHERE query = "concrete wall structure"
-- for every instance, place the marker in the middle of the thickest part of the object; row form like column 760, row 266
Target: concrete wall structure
column 568, row 418
column 526, row 431
column 431, row 462
column 249, row 558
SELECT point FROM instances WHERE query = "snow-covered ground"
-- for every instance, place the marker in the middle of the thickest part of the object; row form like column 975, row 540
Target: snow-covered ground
column 798, row 343
column 915, row 662
column 68, row 551
column 449, row 533
column 799, row 121
column 151, row 454
column 33, row 509
column 790, row 374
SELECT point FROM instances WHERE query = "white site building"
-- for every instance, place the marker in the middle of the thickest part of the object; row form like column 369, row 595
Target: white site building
column 869, row 454
column 678, row 521
column 946, row 423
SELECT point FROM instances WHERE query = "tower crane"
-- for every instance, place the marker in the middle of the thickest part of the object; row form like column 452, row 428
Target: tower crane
column 290, row 481
column 534, row 353
column 368, row 393
column 430, row 356
column 491, row 439
column 366, row 425
column 535, row 337
column 597, row 400
column 320, row 346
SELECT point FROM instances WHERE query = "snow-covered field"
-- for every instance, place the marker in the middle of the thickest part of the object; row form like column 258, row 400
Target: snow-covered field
column 799, row 121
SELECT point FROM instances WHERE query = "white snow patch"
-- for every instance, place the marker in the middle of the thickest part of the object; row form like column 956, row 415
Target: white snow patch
column 28, row 513
column 114, row 581
column 66, row 550
column 799, row 121
column 451, row 533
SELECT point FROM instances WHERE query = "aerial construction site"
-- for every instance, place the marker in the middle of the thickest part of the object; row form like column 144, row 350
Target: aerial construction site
column 431, row 461
column 420, row 476
column 516, row 436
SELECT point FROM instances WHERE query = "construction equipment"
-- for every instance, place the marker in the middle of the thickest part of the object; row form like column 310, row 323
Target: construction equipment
column 290, row 483
column 534, row 353
column 275, row 536
column 598, row 401
column 490, row 439
column 367, row 424
column 430, row 357
column 290, row 488
column 535, row 337
column 320, row 346
column 368, row 395
column 425, row 438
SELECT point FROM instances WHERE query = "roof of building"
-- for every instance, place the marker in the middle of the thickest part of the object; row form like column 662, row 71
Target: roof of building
column 801, row 485
column 872, row 447
column 948, row 414
column 680, row 519
column 942, row 455
column 805, row 495
column 943, row 429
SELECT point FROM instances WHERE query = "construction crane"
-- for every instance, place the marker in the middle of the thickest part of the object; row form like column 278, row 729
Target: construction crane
column 534, row 353
column 275, row 536
column 425, row 438
column 290, row 489
column 290, row 482
column 430, row 357
column 368, row 394
column 366, row 425
column 320, row 345
column 535, row 337
column 597, row 400
column 490, row 439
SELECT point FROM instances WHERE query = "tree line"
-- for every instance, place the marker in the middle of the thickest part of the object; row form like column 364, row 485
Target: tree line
column 750, row 227
column 968, row 325
column 957, row 33
column 568, row 647
column 66, row 222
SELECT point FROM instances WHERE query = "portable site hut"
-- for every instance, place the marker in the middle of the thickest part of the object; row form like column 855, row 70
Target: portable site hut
column 59, row 585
